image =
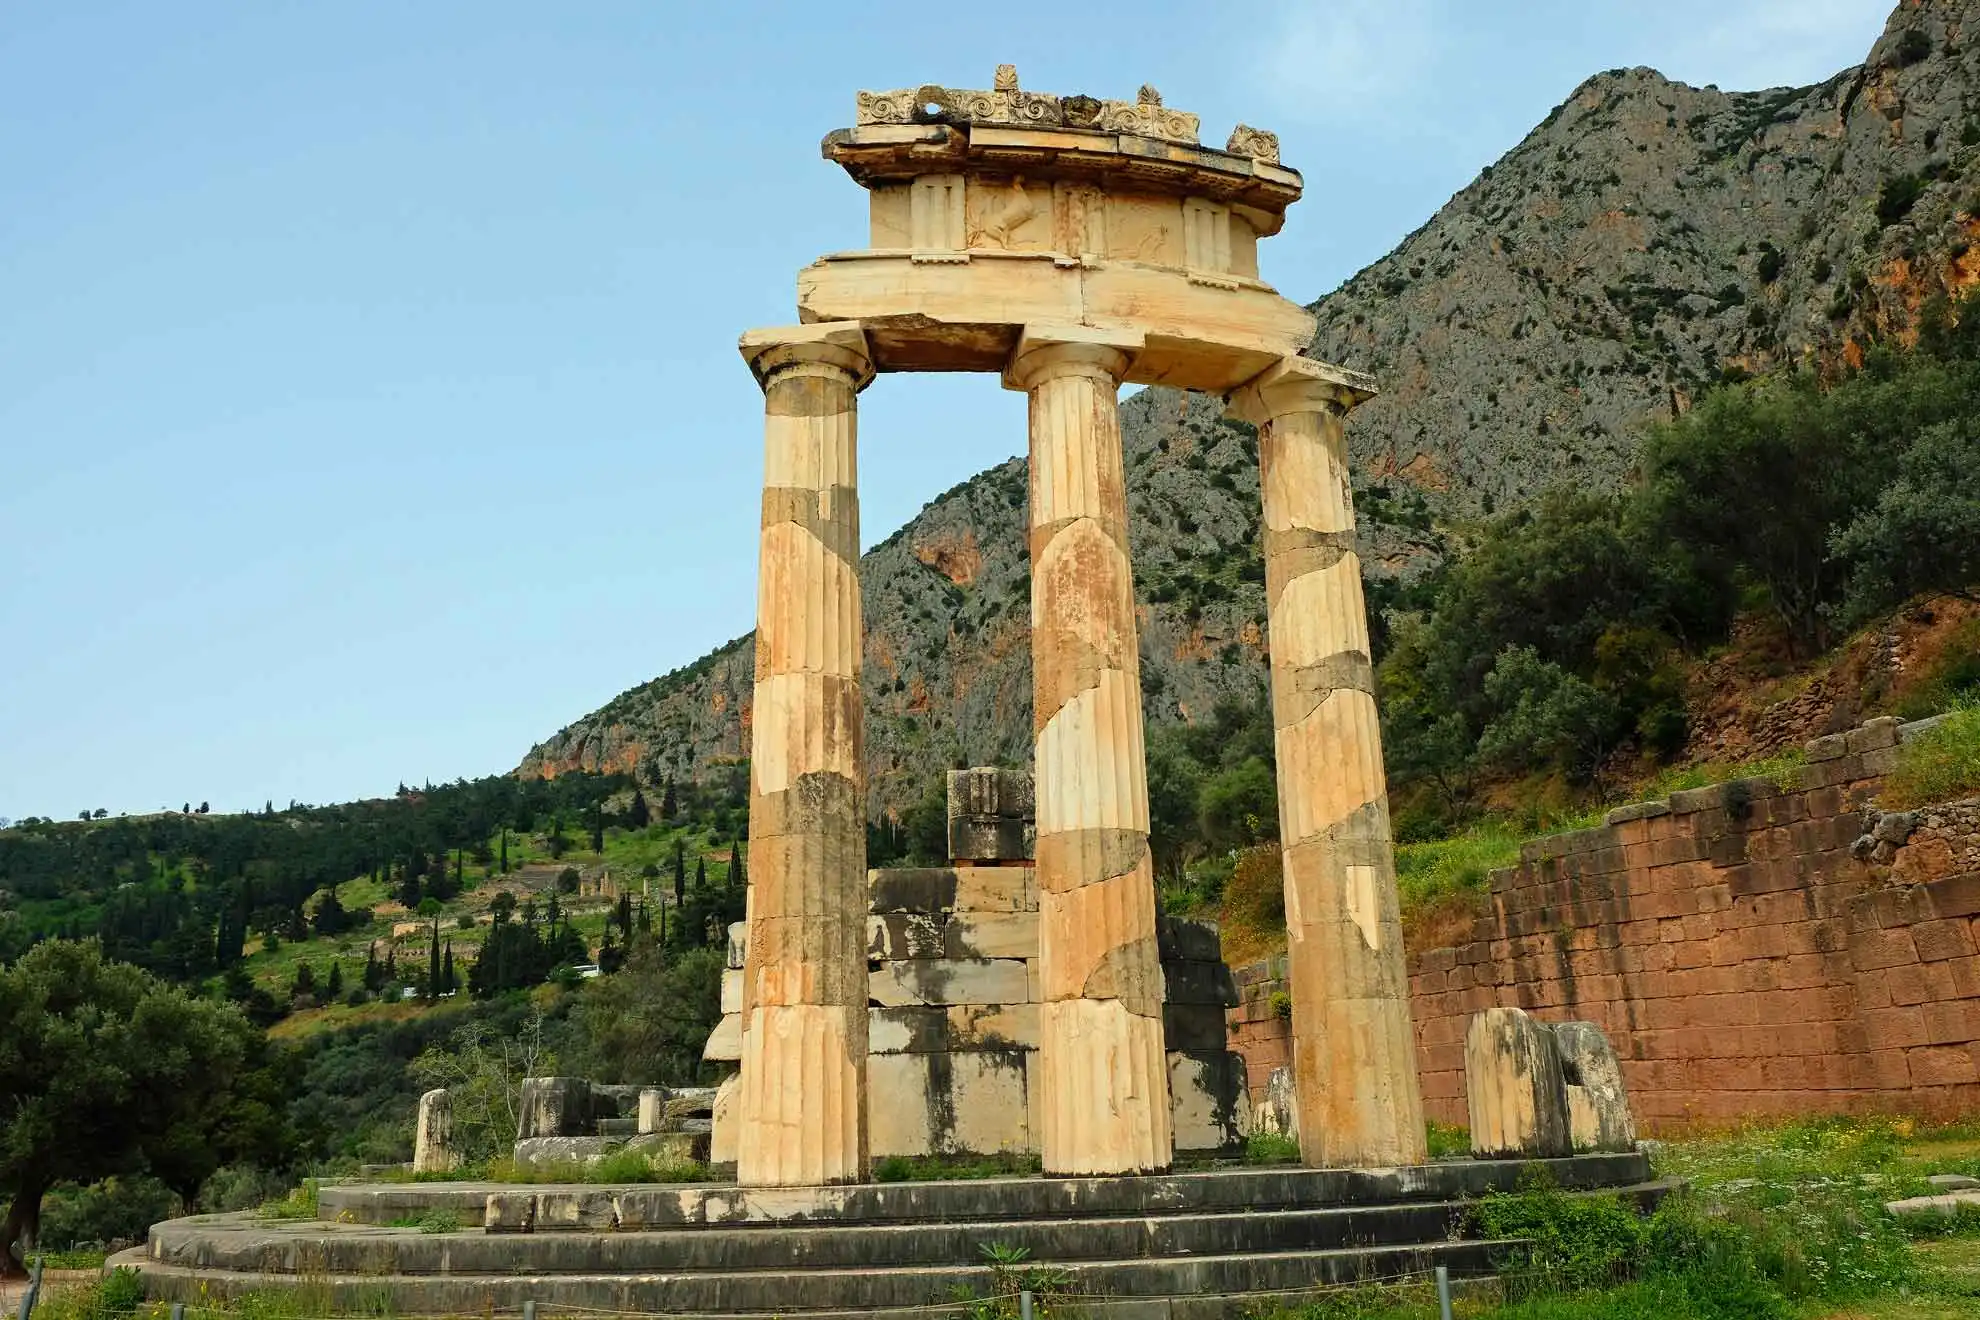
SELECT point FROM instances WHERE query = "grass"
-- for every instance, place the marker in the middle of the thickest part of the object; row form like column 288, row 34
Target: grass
column 431, row 1221
column 78, row 1258
column 620, row 1166
column 939, row 1168
column 1271, row 1148
column 298, row 1204
column 1940, row 764
column 1781, row 1222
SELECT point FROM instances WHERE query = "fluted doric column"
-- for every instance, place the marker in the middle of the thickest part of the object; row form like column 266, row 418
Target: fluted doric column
column 802, row 1103
column 1354, row 1053
column 1103, row 1087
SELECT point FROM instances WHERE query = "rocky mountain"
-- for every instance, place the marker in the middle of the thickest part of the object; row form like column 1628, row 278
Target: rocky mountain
column 1644, row 242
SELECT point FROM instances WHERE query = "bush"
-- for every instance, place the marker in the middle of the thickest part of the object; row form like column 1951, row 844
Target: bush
column 1896, row 198
column 1576, row 1243
column 1271, row 1148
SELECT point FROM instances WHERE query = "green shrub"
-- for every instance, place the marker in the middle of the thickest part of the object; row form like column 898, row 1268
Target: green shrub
column 1271, row 1148
column 1446, row 1139
column 298, row 1204
column 1939, row 764
column 1575, row 1243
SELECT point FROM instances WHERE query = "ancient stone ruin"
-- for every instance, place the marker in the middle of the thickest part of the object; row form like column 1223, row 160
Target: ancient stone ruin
column 1068, row 245
column 952, row 1032
column 1027, row 996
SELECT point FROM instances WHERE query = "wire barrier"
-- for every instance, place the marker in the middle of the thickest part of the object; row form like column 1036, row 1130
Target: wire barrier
column 1028, row 1300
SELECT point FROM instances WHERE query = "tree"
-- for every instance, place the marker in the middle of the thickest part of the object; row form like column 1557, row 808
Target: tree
column 330, row 919
column 623, row 914
column 448, row 982
column 483, row 1072
column 670, row 804
column 1548, row 716
column 649, row 1022
column 304, row 986
column 374, row 972
column 504, row 865
column 333, row 988
column 105, row 1070
column 433, row 964
column 639, row 815
column 701, row 873
column 680, row 873
column 1923, row 532
column 736, row 877
column 409, row 890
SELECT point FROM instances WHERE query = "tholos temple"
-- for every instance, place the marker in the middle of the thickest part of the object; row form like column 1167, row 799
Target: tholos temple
column 1069, row 245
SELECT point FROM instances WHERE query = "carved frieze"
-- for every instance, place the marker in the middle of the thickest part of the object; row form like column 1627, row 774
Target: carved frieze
column 1006, row 103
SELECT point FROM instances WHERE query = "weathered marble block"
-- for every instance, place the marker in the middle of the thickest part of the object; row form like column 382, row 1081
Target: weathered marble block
column 950, row 981
column 970, row 1102
column 433, row 1134
column 1514, row 1088
column 1211, row 1110
column 1598, row 1109
column 554, row 1107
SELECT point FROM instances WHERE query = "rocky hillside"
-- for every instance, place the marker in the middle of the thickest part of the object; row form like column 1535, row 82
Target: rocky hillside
column 1646, row 241
column 1650, row 239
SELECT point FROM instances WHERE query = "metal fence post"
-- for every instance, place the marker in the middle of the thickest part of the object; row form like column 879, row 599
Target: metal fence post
column 1024, row 1304
column 1444, row 1291
column 33, row 1288
column 178, row 1311
column 529, row 1309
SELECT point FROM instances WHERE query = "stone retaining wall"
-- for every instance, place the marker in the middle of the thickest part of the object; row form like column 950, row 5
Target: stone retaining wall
column 1751, row 948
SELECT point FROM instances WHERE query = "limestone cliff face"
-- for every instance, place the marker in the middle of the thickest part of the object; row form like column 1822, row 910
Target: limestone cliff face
column 1650, row 238
column 1644, row 242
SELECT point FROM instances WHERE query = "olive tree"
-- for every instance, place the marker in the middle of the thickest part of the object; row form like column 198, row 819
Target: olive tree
column 105, row 1070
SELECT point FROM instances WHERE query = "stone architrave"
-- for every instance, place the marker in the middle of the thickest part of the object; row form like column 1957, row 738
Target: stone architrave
column 433, row 1134
column 1598, row 1108
column 1513, row 1087
column 1103, row 1074
column 1354, row 1052
column 803, row 1111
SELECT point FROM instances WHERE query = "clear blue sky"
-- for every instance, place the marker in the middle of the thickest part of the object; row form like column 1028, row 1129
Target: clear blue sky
column 369, row 404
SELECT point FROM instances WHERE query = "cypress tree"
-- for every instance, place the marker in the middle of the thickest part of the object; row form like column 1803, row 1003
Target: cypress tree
column 624, row 914
column 505, row 850
column 670, row 804
column 680, row 873
column 447, row 981
column 700, row 874
column 639, row 814
column 433, row 964
column 374, row 975
column 735, row 864
column 334, row 987
column 645, row 919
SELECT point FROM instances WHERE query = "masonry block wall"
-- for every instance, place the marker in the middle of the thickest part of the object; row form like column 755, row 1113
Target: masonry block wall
column 1751, row 948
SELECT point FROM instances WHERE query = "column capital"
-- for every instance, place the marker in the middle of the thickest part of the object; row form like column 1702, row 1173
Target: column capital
column 1296, row 385
column 1046, row 352
column 840, row 344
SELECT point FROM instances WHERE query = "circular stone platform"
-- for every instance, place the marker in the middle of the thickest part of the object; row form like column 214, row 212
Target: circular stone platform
column 1175, row 1245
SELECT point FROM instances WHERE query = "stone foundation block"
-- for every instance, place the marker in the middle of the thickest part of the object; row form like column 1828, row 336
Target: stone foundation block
column 1514, row 1087
column 1179, row 939
column 1199, row 983
column 898, row 936
column 724, row 1121
column 550, row 1153
column 732, row 991
column 966, row 1102
column 991, row 935
column 950, row 981
column 1208, row 1101
column 652, row 1109
column 1193, row 1027
column 931, row 1029
column 676, row 1147
column 554, row 1107
column 1598, row 1111
column 725, row 1042
column 510, row 1212
column 433, row 1134
column 996, row 889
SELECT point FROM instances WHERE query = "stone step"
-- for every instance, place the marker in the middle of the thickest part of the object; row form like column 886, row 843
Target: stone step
column 240, row 1244
column 1113, row 1283
column 651, row 1206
